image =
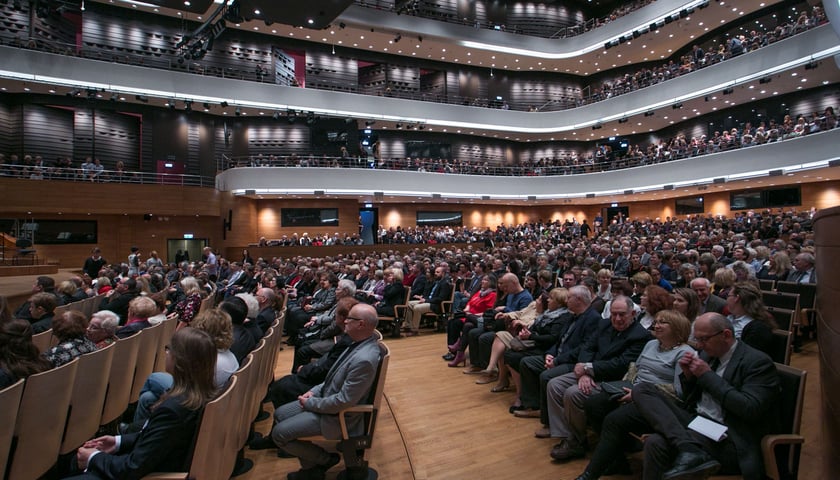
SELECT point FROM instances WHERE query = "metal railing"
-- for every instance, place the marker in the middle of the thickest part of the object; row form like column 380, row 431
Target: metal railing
column 70, row 174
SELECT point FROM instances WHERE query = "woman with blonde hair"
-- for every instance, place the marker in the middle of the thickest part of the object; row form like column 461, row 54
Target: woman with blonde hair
column 777, row 268
column 188, row 308
column 724, row 279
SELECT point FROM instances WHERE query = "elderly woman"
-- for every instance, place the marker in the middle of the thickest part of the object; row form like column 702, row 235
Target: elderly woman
column 533, row 340
column 481, row 301
column 69, row 328
column 753, row 323
column 186, row 309
column 392, row 294
column 19, row 357
column 658, row 364
column 654, row 300
column 102, row 328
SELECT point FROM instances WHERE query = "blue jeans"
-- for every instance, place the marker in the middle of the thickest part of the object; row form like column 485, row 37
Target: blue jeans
column 155, row 386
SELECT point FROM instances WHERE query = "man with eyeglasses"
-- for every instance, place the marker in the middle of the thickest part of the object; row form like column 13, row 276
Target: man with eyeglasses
column 604, row 357
column 314, row 413
column 731, row 384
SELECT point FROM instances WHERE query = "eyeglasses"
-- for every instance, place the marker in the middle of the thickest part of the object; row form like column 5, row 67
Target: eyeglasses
column 706, row 339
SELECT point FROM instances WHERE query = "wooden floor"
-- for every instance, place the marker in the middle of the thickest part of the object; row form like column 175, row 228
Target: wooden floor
column 437, row 424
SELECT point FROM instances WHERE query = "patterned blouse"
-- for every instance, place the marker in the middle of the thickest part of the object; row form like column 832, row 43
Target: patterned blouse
column 188, row 307
column 67, row 350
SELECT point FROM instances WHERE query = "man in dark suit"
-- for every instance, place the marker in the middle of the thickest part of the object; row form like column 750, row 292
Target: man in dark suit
column 266, row 298
column 560, row 359
column 605, row 357
column 708, row 303
column 314, row 413
column 117, row 300
column 729, row 383
column 41, row 311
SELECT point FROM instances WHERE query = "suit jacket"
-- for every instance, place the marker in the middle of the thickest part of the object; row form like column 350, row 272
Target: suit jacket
column 162, row 446
column 322, row 300
column 611, row 351
column 265, row 318
column 347, row 384
column 748, row 393
column 579, row 330
column 118, row 303
column 441, row 291
column 132, row 328
column 715, row 304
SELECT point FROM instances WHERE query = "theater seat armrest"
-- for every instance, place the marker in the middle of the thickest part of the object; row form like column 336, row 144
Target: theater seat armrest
column 768, row 446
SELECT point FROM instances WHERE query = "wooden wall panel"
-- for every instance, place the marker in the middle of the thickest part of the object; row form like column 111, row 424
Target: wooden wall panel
column 268, row 214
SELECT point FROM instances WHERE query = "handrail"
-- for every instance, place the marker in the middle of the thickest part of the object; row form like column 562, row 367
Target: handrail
column 556, row 102
column 70, row 174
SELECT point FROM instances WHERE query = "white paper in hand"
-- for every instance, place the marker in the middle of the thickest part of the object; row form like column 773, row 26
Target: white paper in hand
column 708, row 428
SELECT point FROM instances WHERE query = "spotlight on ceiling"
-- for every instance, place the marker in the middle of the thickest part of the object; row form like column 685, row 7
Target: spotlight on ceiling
column 728, row 91
column 765, row 80
column 238, row 111
column 397, row 38
column 276, row 116
column 224, row 104
column 141, row 98
column 677, row 106
column 623, row 120
column 399, row 126
column 649, row 114
column 342, row 25
column 597, row 126
column 171, row 104
column 188, row 106
column 206, row 106
column 811, row 65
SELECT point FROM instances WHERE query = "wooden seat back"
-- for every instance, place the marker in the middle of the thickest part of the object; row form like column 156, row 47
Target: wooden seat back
column 121, row 378
column 146, row 354
column 41, row 419
column 88, row 398
column 9, row 404
column 789, row 301
column 42, row 340
column 168, row 327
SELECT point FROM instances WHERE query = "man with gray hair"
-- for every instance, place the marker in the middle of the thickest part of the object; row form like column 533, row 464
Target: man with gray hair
column 804, row 271
column 536, row 371
column 708, row 302
column 604, row 357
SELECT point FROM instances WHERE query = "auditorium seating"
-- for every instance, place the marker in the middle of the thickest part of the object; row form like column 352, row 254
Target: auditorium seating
column 40, row 423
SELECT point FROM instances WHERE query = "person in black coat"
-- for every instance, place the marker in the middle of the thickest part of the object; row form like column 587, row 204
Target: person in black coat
column 165, row 441
column 394, row 293
column 117, row 300
column 243, row 340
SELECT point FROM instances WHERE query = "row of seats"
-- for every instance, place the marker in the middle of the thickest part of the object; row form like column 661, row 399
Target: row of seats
column 54, row 412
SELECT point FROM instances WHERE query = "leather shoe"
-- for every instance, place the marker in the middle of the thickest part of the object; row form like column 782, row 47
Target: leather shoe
column 698, row 464
column 543, row 433
column 449, row 356
column 566, row 450
column 527, row 413
column 261, row 442
column 318, row 472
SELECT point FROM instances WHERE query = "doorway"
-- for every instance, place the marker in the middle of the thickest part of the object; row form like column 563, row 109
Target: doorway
column 617, row 213
column 368, row 221
column 185, row 249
